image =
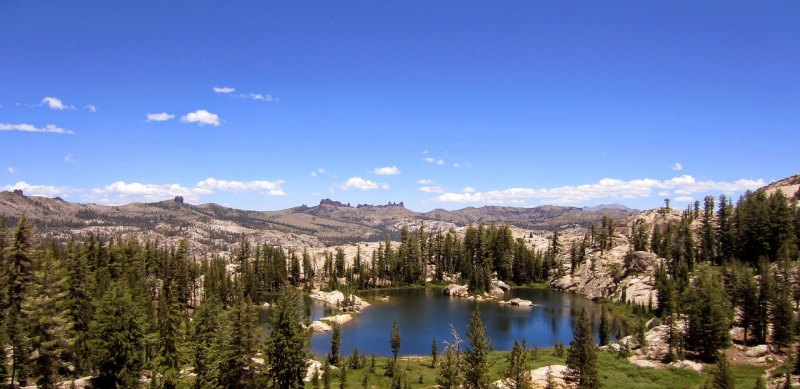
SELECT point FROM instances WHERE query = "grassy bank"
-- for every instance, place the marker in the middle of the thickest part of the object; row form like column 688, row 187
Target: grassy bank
column 615, row 372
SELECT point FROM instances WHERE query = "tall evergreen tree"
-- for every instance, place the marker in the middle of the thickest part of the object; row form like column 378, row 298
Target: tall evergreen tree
column 168, row 359
column 48, row 322
column 336, row 344
column 476, row 358
column 604, row 330
column 722, row 377
column 708, row 323
column 288, row 342
column 581, row 355
column 237, row 348
column 19, row 262
column 116, row 338
column 203, row 336
column 394, row 341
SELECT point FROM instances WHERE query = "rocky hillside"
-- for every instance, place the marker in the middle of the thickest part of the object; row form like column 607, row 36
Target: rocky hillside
column 216, row 227
column 790, row 187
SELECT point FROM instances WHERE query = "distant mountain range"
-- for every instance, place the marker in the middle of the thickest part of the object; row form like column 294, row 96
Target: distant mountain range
column 216, row 227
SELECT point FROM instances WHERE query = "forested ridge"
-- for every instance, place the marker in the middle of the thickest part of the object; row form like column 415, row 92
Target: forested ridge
column 124, row 311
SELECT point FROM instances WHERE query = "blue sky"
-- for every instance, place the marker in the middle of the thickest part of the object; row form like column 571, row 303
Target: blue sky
column 265, row 105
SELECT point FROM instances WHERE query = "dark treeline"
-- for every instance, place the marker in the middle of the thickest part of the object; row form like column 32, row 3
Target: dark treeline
column 120, row 309
column 420, row 255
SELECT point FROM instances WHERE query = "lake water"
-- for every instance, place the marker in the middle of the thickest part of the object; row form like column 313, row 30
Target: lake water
column 423, row 314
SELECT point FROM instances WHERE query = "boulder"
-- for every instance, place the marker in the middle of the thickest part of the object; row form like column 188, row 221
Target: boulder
column 496, row 291
column 687, row 364
column 340, row 319
column 502, row 285
column 757, row 351
column 539, row 376
column 318, row 326
column 456, row 290
column 519, row 302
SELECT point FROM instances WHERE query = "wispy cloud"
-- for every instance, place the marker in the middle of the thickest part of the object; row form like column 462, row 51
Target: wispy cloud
column 224, row 89
column 11, row 169
column 677, row 166
column 386, row 171
column 424, row 181
column 121, row 192
column 69, row 158
column 606, row 188
column 201, row 117
column 431, row 189
column 360, row 183
column 468, row 189
column 25, row 127
column 318, row 172
column 56, row 103
column 90, row 107
column 257, row 97
column 434, row 161
column 159, row 117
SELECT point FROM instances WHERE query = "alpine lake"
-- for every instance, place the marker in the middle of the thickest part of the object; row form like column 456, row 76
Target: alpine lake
column 424, row 314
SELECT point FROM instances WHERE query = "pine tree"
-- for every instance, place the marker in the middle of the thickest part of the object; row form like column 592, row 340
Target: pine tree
column 450, row 368
column 723, row 376
column 4, row 288
column 288, row 342
column 708, row 325
column 48, row 322
column 19, row 262
column 342, row 378
column 116, row 338
column 518, row 367
column 204, row 331
column 168, row 359
column 581, row 355
column 78, row 305
column 476, row 358
column 434, row 353
column 326, row 374
column 237, row 347
column 604, row 330
column 336, row 343
column 394, row 343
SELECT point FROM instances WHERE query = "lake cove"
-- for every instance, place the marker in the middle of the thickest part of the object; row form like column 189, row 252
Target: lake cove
column 425, row 313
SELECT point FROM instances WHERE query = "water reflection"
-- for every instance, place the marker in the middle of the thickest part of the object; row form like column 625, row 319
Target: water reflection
column 423, row 314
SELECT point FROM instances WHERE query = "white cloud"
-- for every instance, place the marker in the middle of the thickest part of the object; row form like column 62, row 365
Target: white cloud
column 159, row 117
column 11, row 170
column 69, row 158
column 201, row 117
column 684, row 199
column 24, row 127
column 271, row 188
column 224, row 89
column 39, row 190
column 318, row 172
column 56, row 103
column 425, row 152
column 386, row 171
column 359, row 183
column 90, row 108
column 663, row 194
column 677, row 167
column 431, row 189
column 433, row 161
column 456, row 165
column 606, row 188
column 121, row 192
column 424, row 181
column 468, row 189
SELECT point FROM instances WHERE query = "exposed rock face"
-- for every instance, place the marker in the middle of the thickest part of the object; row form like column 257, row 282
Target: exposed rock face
column 687, row 364
column 757, row 351
column 496, row 291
